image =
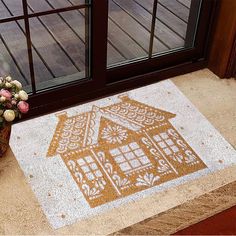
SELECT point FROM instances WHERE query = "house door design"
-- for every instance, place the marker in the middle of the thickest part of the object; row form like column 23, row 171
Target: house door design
column 118, row 150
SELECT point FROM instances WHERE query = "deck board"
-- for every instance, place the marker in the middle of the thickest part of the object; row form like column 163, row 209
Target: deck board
column 14, row 69
column 13, row 35
column 75, row 20
column 176, row 8
column 134, row 29
column 143, row 17
column 59, row 39
column 177, row 25
column 66, row 46
column 15, row 4
column 48, row 53
column 123, row 43
column 186, row 3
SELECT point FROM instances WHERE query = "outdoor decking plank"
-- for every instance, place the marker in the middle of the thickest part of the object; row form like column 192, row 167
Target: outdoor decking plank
column 75, row 20
column 17, row 5
column 13, row 34
column 166, row 17
column 176, row 8
column 113, row 56
column 186, row 3
column 71, row 48
column 123, row 43
column 162, row 32
column 134, row 29
column 15, row 71
column 50, row 56
column 120, row 46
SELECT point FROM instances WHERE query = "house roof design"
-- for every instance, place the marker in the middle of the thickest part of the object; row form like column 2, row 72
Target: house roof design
column 82, row 130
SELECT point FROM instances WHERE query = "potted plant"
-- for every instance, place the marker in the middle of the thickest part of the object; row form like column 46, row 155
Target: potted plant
column 12, row 105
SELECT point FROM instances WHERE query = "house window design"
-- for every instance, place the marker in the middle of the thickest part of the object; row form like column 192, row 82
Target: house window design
column 89, row 167
column 165, row 143
column 130, row 157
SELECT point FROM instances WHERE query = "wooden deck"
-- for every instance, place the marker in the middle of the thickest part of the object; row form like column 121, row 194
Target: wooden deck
column 59, row 39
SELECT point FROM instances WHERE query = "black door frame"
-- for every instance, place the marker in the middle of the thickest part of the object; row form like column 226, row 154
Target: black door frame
column 105, row 82
column 45, row 101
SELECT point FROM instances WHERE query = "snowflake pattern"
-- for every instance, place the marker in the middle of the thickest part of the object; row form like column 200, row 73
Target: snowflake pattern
column 114, row 134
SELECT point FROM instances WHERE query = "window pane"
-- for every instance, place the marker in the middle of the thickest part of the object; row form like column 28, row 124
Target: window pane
column 59, row 44
column 13, row 50
column 173, row 24
column 9, row 8
column 127, row 38
column 45, row 5
column 131, row 28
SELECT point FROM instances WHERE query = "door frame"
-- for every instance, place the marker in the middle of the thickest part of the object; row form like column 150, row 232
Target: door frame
column 104, row 82
column 48, row 100
column 196, row 53
column 223, row 47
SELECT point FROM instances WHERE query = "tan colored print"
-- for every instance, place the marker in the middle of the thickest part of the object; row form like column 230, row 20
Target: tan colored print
column 122, row 149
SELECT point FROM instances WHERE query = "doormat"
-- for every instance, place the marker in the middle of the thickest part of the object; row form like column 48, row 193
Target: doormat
column 104, row 155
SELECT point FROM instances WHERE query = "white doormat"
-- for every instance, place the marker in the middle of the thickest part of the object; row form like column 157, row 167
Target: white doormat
column 93, row 158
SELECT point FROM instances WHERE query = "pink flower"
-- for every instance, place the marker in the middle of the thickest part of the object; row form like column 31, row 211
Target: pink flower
column 23, row 106
column 5, row 93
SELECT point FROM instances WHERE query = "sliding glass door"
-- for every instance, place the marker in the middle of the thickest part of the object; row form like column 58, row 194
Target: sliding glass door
column 74, row 50
column 46, row 42
column 139, row 29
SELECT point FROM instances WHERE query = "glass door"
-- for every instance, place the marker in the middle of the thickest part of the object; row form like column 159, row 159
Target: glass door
column 69, row 51
column 138, row 29
column 58, row 45
column 46, row 43
column 151, row 35
column 48, row 46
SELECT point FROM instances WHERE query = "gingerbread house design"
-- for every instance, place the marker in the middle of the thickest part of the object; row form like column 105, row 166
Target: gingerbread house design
column 121, row 149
